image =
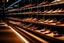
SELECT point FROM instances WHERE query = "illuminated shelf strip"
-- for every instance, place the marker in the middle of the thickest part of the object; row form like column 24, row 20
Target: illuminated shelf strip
column 19, row 35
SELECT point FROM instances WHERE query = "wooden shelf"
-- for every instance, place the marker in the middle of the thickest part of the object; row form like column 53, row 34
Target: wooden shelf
column 46, row 24
column 44, row 14
column 51, row 4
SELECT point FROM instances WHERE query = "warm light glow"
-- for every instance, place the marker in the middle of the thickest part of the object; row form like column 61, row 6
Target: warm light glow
column 36, row 37
column 19, row 35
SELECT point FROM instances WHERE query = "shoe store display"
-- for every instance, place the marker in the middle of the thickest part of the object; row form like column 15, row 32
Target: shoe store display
column 39, row 19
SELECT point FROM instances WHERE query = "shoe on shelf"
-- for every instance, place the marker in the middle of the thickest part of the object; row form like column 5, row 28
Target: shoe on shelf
column 62, row 11
column 43, row 30
column 34, row 20
column 30, row 19
column 26, row 6
column 53, row 21
column 56, row 34
column 47, row 32
column 56, row 10
column 46, row 21
column 49, row 11
column 59, row 11
column 45, row 11
column 56, row 1
column 59, row 22
column 41, row 20
column 43, row 3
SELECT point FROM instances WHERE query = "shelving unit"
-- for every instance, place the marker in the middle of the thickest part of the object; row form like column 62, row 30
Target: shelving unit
column 38, row 6
column 36, row 18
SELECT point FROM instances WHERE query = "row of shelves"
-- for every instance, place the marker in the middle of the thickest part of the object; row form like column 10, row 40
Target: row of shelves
column 49, row 36
column 38, row 6
column 38, row 13
column 56, row 24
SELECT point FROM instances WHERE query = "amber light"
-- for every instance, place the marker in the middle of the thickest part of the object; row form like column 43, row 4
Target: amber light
column 19, row 35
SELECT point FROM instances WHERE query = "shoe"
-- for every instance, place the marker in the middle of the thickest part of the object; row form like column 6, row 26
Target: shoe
column 59, row 11
column 45, row 11
column 56, row 34
column 41, row 20
column 56, row 1
column 30, row 5
column 43, row 30
column 47, row 32
column 50, row 11
column 56, row 10
column 62, row 11
column 47, row 21
column 29, row 19
column 43, row 3
column 35, row 19
column 26, row 6
column 59, row 22
column 53, row 21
